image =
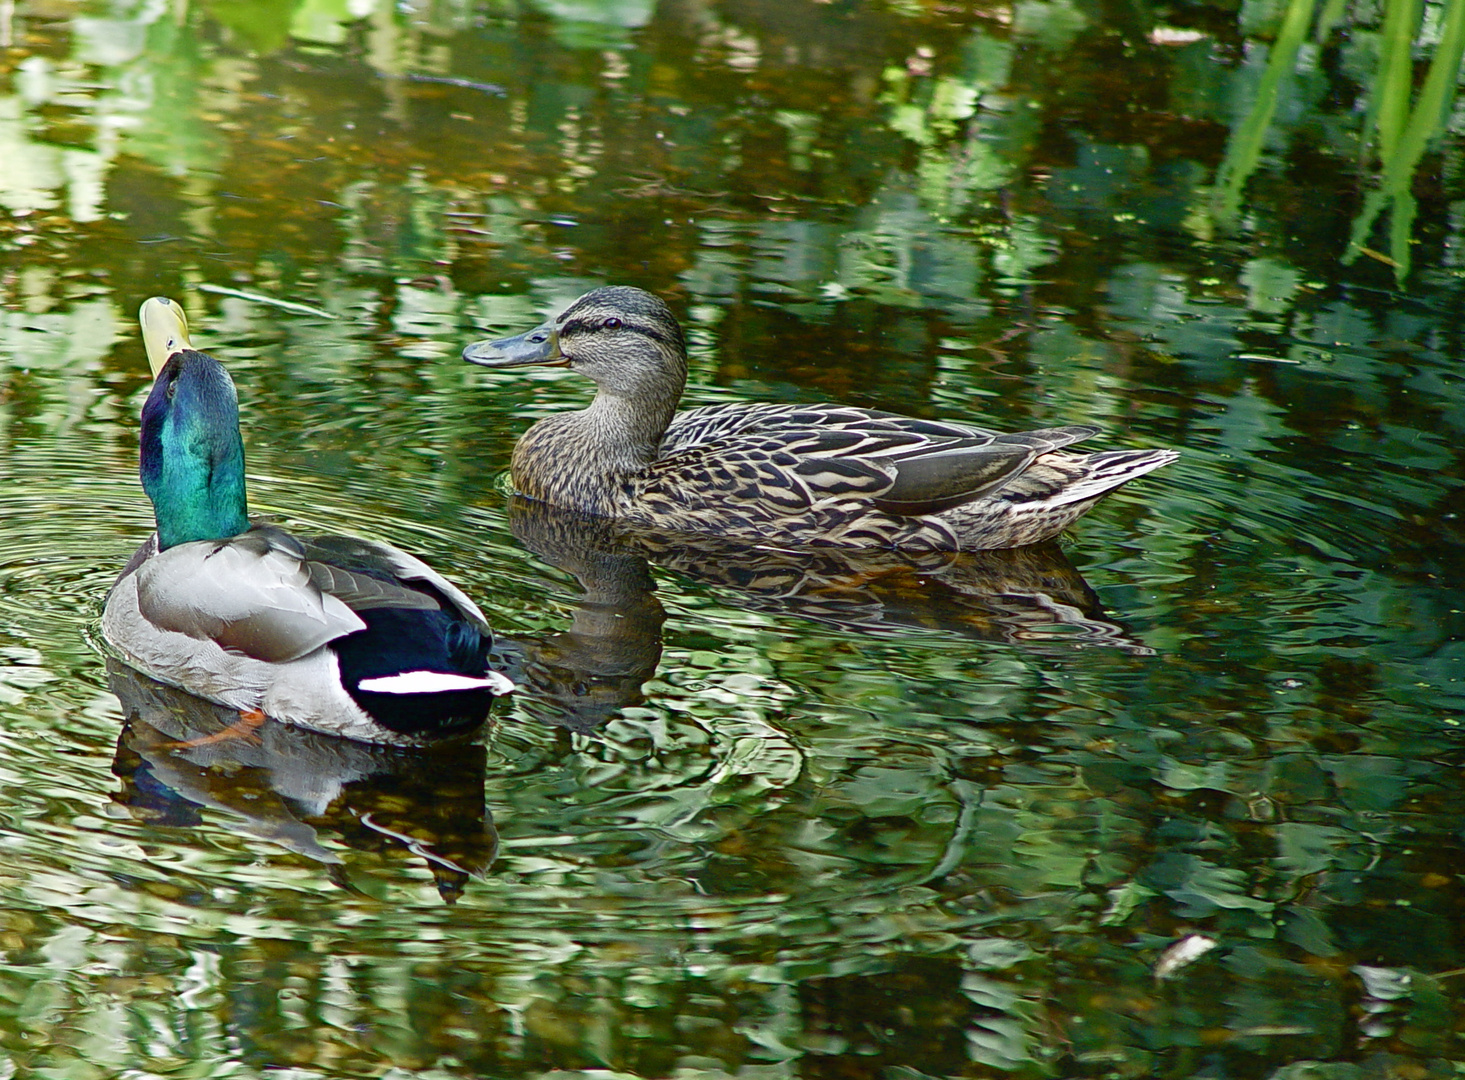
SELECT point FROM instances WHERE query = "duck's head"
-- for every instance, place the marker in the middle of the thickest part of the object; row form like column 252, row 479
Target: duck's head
column 192, row 454
column 623, row 338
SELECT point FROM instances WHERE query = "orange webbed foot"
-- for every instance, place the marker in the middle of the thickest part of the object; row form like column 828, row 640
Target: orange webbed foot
column 244, row 728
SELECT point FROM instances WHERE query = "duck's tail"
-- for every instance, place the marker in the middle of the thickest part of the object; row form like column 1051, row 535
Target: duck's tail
column 1100, row 473
column 1053, row 492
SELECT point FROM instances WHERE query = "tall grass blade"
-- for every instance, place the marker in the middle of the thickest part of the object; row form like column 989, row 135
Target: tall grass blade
column 1425, row 121
column 1388, row 110
column 1244, row 150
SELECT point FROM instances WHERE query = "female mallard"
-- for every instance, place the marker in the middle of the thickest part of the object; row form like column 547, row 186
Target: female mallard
column 784, row 474
column 345, row 636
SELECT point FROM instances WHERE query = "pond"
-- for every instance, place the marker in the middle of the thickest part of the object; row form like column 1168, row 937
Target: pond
column 1179, row 795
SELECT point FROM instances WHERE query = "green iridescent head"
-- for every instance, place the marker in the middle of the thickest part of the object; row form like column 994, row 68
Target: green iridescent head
column 192, row 454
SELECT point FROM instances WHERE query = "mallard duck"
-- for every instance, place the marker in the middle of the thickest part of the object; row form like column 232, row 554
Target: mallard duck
column 782, row 474
column 341, row 635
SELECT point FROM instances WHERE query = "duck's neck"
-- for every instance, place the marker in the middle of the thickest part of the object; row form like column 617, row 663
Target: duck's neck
column 214, row 512
column 193, row 471
column 582, row 459
column 630, row 428
column 197, row 504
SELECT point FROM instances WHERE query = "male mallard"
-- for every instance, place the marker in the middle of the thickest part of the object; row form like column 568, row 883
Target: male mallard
column 782, row 474
column 345, row 636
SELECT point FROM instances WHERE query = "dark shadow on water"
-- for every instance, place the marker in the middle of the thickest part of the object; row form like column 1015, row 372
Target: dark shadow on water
column 287, row 785
column 1032, row 597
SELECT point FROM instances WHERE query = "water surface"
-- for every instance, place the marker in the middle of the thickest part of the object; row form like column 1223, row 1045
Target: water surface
column 762, row 819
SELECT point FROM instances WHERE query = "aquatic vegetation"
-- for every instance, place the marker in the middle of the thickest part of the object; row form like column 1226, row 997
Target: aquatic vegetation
column 1398, row 126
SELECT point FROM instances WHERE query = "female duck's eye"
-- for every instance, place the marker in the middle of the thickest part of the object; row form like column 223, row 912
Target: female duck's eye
column 611, row 323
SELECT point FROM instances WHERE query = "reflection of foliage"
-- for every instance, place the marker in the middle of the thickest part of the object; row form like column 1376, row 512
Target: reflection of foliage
column 264, row 24
column 1399, row 139
column 940, row 115
column 1244, row 151
column 1395, row 133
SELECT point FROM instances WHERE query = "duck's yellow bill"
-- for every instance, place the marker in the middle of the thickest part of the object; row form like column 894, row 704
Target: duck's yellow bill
column 164, row 330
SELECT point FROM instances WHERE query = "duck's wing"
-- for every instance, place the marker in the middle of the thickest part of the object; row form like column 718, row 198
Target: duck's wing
column 252, row 594
column 711, row 423
column 937, row 476
column 367, row 574
column 275, row 597
column 795, row 456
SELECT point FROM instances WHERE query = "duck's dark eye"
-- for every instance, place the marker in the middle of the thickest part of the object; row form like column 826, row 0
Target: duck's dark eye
column 611, row 323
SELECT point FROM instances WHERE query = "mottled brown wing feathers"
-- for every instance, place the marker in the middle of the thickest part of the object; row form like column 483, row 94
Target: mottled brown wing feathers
column 1044, row 439
column 707, row 425
column 793, row 456
column 943, row 474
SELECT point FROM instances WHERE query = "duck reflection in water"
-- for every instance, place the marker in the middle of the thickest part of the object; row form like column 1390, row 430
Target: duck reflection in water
column 584, row 676
column 283, row 784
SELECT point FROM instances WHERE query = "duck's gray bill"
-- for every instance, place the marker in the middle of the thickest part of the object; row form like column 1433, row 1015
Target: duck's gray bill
column 538, row 346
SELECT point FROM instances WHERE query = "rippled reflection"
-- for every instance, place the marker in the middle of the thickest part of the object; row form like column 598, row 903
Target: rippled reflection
column 1031, row 595
column 590, row 672
column 281, row 784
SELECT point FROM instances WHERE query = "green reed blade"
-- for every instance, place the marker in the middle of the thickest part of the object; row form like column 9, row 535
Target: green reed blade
column 1244, row 150
column 1425, row 121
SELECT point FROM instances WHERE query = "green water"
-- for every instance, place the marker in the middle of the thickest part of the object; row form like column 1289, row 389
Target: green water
column 768, row 818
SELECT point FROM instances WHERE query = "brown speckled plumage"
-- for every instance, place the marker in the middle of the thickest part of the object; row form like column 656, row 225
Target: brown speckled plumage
column 784, row 474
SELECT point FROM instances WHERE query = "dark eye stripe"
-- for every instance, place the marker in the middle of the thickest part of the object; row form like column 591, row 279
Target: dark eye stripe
column 576, row 325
